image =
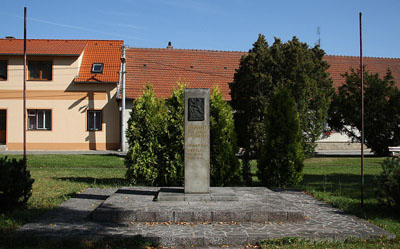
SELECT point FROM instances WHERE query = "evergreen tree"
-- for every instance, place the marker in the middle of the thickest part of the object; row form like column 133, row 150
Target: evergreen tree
column 225, row 166
column 156, row 140
column 382, row 110
column 293, row 65
column 281, row 159
column 176, row 136
column 146, row 135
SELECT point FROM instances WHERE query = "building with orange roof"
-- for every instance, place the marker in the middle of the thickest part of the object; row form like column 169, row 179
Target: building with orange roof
column 71, row 94
column 165, row 67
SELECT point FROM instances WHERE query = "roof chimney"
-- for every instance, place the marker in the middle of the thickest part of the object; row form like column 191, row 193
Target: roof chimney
column 170, row 45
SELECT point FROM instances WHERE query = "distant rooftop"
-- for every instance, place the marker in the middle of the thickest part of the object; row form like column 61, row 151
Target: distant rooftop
column 164, row 67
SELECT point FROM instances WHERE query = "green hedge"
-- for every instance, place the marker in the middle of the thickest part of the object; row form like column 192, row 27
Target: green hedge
column 156, row 141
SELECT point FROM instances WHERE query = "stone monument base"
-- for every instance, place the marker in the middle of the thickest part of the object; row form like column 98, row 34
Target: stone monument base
column 226, row 204
column 177, row 194
column 259, row 214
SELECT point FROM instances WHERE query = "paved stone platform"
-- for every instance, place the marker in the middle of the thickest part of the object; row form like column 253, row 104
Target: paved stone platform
column 323, row 222
column 177, row 194
column 142, row 205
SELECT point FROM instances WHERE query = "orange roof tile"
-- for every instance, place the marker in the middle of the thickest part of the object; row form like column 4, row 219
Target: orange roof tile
column 341, row 64
column 207, row 69
column 165, row 67
column 106, row 52
column 42, row 47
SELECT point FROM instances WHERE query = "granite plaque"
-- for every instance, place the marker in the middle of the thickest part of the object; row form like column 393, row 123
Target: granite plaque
column 197, row 141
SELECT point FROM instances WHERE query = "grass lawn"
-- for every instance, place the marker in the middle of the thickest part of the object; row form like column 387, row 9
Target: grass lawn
column 58, row 177
column 338, row 181
column 335, row 180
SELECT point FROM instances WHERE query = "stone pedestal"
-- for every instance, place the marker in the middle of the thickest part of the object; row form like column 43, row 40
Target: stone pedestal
column 197, row 141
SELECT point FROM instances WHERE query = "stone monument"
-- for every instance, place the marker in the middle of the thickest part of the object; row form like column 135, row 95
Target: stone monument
column 197, row 141
column 197, row 154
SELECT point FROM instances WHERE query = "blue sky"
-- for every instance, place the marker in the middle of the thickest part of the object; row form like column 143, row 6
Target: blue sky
column 211, row 24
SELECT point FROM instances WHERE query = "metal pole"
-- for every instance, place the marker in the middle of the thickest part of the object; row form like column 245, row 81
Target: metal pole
column 362, row 115
column 123, row 59
column 24, row 110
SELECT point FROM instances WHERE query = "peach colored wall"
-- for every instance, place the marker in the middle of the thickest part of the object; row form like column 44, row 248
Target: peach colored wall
column 69, row 103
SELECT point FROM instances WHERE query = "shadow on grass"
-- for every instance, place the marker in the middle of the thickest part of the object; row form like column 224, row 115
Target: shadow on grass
column 97, row 181
column 111, row 155
column 350, row 183
column 12, row 241
column 344, row 191
column 10, row 221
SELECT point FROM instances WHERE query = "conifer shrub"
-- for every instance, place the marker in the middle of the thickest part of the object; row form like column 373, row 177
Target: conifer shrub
column 156, row 141
column 281, row 160
column 146, row 133
column 174, row 167
column 15, row 183
column 388, row 183
column 225, row 166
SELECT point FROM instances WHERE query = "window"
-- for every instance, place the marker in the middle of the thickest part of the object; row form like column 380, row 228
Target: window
column 94, row 120
column 39, row 119
column 3, row 70
column 97, row 68
column 40, row 70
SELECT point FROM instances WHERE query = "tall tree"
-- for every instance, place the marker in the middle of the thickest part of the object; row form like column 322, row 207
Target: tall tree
column 225, row 166
column 382, row 110
column 296, row 66
column 281, row 159
column 146, row 135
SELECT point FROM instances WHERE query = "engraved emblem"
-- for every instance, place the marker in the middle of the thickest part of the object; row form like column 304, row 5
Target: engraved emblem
column 196, row 109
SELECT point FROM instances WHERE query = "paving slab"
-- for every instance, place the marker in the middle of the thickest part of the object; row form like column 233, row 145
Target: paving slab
column 323, row 222
column 254, row 205
column 178, row 194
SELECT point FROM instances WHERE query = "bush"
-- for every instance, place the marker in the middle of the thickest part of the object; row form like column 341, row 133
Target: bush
column 146, row 131
column 156, row 141
column 174, row 167
column 281, row 160
column 225, row 166
column 15, row 183
column 388, row 183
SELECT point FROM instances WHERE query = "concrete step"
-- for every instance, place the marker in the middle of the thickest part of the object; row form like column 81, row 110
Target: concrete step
column 127, row 216
column 199, row 235
column 259, row 205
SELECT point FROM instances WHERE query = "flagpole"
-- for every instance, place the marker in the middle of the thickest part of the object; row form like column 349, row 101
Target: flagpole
column 362, row 115
column 24, row 101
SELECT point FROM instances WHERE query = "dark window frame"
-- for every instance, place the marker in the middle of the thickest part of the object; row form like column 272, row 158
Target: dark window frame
column 41, row 66
column 95, row 128
column 97, row 71
column 44, row 124
column 4, row 62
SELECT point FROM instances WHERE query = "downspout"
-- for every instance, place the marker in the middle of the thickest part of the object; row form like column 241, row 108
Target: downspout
column 123, row 128
column 118, row 96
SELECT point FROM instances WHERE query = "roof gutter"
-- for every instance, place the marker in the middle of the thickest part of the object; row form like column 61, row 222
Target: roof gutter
column 18, row 54
column 118, row 97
